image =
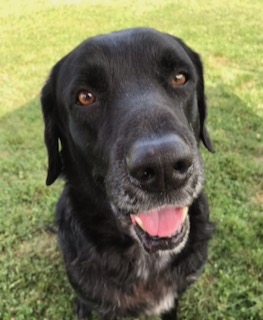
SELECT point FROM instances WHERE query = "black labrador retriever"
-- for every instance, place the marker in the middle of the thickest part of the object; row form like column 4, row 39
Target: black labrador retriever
column 124, row 114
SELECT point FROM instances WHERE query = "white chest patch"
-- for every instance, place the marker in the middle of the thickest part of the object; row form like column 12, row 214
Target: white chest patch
column 165, row 304
column 145, row 266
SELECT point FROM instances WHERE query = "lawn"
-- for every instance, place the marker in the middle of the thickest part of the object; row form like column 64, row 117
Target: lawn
column 228, row 34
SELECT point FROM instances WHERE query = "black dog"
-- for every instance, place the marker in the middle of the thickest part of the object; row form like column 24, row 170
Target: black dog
column 128, row 111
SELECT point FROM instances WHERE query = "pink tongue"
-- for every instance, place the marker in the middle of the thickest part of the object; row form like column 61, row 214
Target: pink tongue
column 161, row 222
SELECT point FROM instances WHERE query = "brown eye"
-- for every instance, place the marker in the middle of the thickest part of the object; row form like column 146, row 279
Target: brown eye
column 179, row 80
column 85, row 98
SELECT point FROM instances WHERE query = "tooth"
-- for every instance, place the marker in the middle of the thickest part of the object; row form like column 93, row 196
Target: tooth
column 139, row 222
column 185, row 210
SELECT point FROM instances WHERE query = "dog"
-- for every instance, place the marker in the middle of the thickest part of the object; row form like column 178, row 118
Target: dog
column 124, row 115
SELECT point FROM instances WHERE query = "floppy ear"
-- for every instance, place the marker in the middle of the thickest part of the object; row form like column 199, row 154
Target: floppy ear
column 202, row 107
column 51, row 134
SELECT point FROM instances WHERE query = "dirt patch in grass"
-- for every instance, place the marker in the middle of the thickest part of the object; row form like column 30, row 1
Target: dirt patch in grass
column 258, row 199
column 43, row 244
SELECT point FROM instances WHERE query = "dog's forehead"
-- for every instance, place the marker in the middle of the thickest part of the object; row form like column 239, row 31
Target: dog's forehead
column 140, row 37
column 131, row 44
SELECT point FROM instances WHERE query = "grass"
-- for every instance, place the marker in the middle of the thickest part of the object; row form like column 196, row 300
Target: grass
column 228, row 34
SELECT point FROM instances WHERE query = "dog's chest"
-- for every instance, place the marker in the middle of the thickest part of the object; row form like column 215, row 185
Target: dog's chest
column 152, row 292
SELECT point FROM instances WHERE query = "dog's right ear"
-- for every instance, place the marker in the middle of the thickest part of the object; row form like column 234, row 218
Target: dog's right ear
column 51, row 134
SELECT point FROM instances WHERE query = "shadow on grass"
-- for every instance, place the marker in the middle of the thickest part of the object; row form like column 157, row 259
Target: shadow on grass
column 237, row 133
column 33, row 276
column 234, row 173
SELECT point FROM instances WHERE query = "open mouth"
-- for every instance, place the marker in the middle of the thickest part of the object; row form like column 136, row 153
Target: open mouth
column 163, row 228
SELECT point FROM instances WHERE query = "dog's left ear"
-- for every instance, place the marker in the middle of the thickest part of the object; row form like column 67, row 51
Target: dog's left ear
column 202, row 107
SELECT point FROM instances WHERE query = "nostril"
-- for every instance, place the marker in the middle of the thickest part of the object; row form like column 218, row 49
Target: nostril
column 179, row 166
column 182, row 166
column 147, row 175
column 143, row 175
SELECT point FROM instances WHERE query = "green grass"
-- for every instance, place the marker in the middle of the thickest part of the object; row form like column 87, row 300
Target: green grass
column 228, row 34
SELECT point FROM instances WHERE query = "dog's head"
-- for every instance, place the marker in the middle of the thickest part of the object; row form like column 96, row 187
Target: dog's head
column 129, row 111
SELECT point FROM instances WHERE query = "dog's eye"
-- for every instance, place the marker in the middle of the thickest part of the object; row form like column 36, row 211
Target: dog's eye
column 179, row 80
column 85, row 98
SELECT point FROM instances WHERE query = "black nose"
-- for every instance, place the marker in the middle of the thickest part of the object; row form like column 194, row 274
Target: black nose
column 160, row 164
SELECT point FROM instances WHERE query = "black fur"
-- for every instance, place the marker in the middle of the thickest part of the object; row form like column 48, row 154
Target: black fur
column 130, row 73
